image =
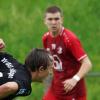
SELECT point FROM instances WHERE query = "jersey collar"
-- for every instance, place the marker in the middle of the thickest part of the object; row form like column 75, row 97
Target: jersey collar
column 58, row 34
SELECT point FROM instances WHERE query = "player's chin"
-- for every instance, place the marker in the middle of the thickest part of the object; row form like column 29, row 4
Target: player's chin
column 54, row 29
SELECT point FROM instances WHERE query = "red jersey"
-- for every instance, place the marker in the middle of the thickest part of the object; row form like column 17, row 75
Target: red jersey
column 67, row 52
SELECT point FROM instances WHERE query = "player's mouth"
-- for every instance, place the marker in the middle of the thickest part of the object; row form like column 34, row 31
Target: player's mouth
column 54, row 28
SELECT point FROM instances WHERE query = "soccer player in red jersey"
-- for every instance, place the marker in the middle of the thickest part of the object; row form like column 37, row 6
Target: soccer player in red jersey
column 70, row 60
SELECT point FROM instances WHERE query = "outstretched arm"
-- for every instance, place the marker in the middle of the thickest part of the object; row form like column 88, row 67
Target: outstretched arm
column 8, row 89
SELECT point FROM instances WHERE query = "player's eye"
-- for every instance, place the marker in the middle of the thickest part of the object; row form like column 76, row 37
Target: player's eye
column 56, row 19
column 50, row 19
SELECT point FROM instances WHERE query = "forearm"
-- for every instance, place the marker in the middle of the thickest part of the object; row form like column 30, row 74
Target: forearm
column 69, row 84
column 8, row 89
column 85, row 67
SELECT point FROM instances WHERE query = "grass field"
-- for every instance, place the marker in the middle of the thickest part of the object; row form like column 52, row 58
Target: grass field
column 21, row 27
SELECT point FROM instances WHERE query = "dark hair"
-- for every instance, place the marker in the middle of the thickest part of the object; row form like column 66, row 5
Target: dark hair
column 37, row 58
column 53, row 9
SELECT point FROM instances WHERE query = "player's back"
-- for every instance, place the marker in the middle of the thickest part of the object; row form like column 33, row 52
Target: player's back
column 12, row 70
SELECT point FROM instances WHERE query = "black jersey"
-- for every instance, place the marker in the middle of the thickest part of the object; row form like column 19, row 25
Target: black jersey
column 13, row 71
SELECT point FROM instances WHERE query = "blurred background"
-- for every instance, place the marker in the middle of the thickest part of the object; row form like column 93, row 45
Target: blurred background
column 22, row 27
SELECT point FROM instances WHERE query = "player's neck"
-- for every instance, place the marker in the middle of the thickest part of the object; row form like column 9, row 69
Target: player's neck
column 57, row 32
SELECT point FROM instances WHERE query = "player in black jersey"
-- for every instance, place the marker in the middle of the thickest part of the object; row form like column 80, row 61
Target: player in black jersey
column 16, row 78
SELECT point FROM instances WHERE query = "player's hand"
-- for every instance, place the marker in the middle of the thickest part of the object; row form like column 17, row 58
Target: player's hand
column 69, row 84
column 2, row 44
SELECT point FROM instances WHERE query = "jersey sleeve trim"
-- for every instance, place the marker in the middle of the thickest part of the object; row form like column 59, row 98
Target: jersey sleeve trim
column 82, row 57
column 24, row 88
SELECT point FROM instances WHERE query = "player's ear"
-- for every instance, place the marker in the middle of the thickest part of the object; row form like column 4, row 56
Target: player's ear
column 41, row 69
column 44, row 21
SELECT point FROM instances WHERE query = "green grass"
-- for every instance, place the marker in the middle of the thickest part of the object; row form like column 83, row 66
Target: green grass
column 93, row 88
column 21, row 27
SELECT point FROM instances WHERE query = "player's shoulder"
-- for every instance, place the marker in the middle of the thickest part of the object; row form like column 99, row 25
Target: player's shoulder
column 23, row 71
column 2, row 54
column 46, row 34
column 69, row 35
column 8, row 59
column 5, row 55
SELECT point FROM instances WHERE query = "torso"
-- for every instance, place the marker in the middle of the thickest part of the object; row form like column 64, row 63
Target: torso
column 66, row 65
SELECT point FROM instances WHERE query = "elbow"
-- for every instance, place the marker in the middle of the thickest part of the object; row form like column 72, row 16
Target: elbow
column 90, row 65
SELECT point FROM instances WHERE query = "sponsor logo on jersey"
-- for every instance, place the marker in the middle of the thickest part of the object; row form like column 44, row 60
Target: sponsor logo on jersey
column 59, row 50
column 11, row 73
column 48, row 49
column 21, row 91
column 53, row 46
column 57, row 63
column 10, row 66
column 1, row 74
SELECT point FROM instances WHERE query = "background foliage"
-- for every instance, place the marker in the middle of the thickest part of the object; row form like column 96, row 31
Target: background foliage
column 21, row 27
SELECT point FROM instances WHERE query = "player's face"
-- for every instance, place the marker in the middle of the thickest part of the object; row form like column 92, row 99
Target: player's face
column 53, row 21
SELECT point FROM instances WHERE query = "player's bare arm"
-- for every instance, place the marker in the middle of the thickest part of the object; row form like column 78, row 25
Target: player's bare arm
column 7, row 89
column 86, row 65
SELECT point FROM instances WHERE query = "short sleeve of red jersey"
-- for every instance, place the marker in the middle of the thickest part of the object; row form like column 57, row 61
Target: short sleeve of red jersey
column 44, row 40
column 74, row 45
